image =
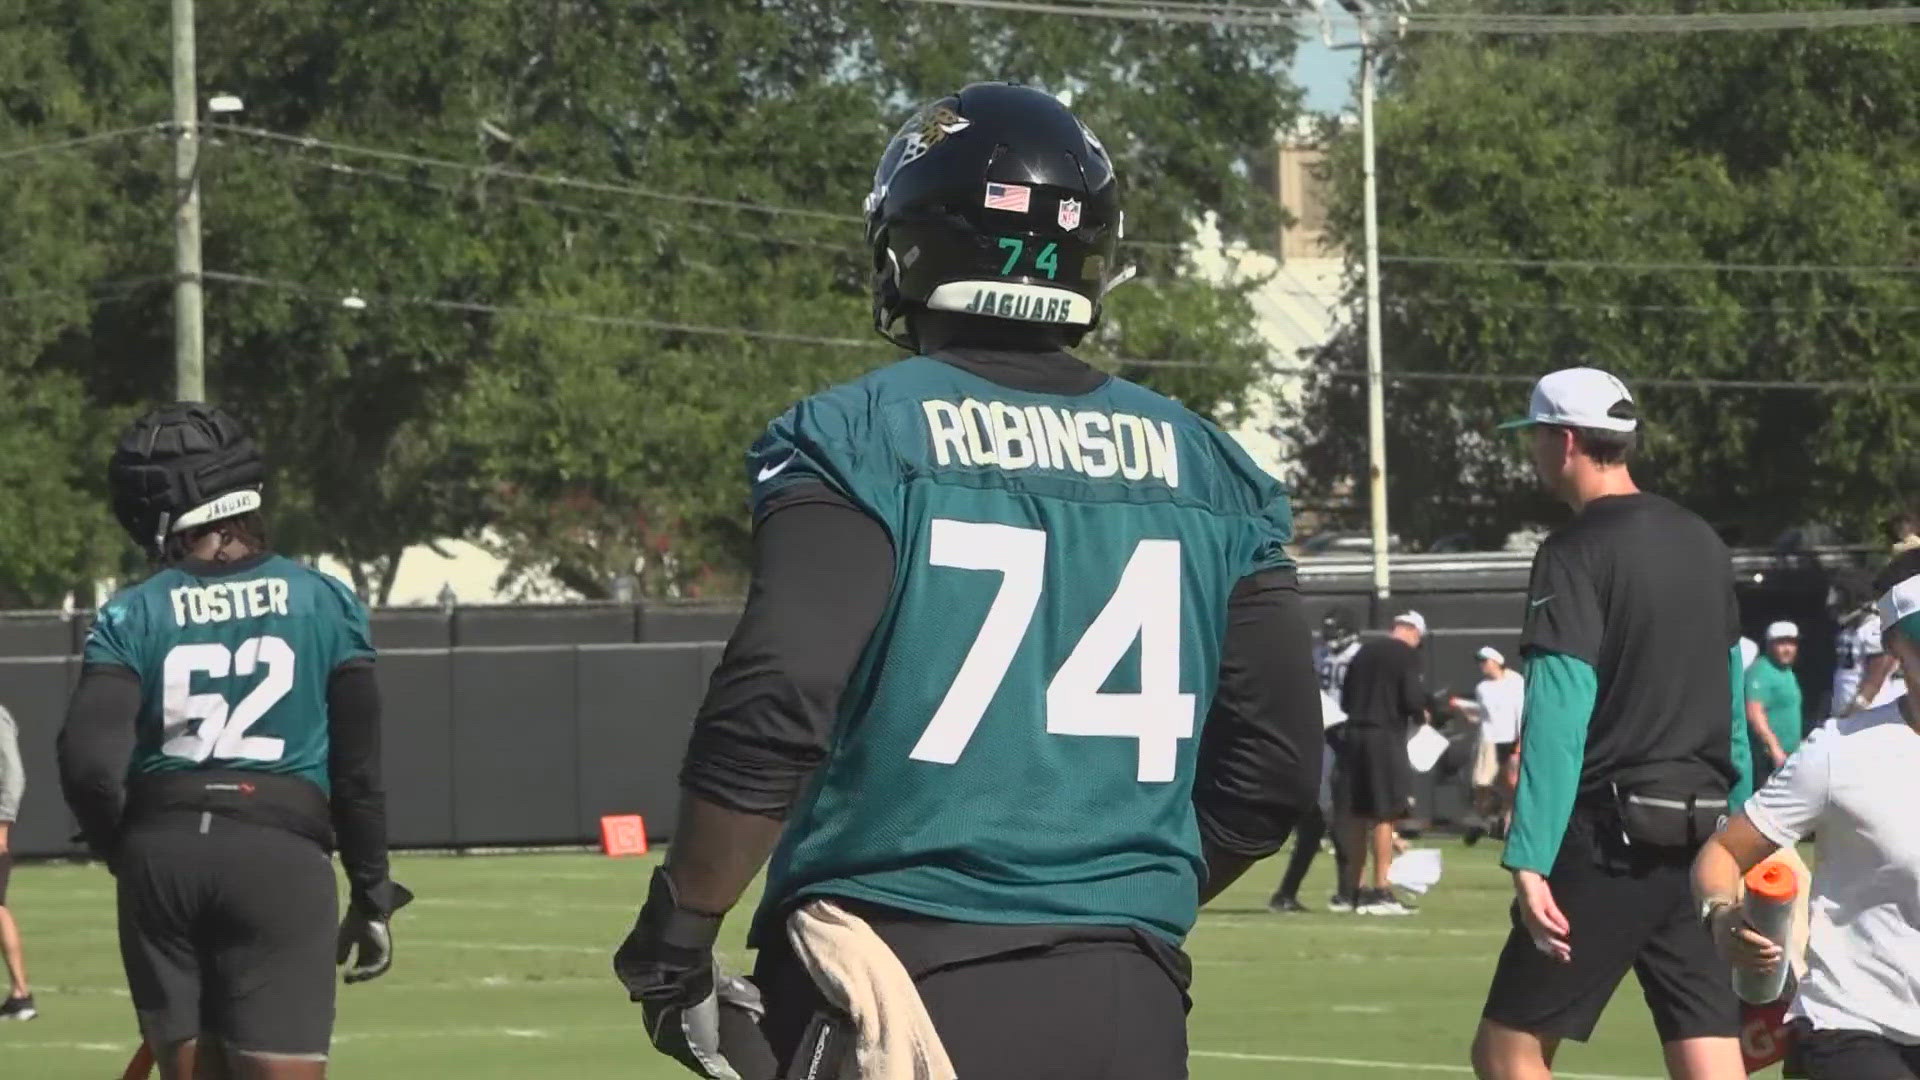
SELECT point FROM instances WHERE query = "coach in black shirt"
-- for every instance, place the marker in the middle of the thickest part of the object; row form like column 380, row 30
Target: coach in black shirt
column 1635, row 747
column 1373, row 787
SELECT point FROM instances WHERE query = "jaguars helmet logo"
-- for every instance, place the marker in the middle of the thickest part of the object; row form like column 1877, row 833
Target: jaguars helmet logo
column 929, row 129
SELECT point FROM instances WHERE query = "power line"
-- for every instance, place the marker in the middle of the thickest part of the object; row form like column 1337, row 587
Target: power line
column 1261, row 16
column 454, row 193
column 108, row 290
column 486, row 171
column 1837, row 386
column 341, row 168
column 1665, row 23
column 1648, row 267
column 349, row 297
column 1328, row 300
column 1341, row 296
column 632, row 322
column 604, row 187
column 496, row 172
column 354, row 298
column 1681, row 309
column 32, row 149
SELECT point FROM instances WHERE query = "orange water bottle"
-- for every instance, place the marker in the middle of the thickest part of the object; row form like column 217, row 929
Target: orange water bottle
column 1771, row 888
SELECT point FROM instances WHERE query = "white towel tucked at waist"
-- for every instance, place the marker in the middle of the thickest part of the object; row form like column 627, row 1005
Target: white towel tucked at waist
column 859, row 974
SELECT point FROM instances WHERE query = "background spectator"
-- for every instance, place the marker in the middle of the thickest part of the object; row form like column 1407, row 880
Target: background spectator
column 13, row 784
column 1339, row 643
column 1383, row 695
column 1498, row 701
column 1773, row 701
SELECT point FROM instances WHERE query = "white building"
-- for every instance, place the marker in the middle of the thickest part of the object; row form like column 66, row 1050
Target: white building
column 1298, row 301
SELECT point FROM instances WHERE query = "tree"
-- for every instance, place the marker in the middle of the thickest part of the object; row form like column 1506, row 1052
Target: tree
column 431, row 343
column 656, row 423
column 1794, row 148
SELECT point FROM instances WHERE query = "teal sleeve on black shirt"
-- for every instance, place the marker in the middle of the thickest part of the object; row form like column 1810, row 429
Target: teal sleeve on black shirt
column 1742, row 749
column 1561, row 691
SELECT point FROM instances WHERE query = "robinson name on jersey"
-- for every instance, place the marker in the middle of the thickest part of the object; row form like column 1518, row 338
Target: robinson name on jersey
column 977, row 433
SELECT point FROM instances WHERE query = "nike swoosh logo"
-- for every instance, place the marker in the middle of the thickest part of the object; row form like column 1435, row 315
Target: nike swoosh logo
column 1537, row 603
column 768, row 472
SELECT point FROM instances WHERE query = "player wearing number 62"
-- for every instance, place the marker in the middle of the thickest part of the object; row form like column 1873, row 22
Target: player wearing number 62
column 1023, row 676
column 244, row 683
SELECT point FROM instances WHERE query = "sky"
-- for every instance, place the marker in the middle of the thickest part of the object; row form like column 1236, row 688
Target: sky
column 1326, row 75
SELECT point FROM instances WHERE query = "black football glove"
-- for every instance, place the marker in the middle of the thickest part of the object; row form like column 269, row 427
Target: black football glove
column 667, row 965
column 368, row 928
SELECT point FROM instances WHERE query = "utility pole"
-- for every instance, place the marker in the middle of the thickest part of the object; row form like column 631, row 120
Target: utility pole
column 1376, row 382
column 189, row 344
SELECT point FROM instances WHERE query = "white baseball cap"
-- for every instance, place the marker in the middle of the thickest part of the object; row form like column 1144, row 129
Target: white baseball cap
column 1413, row 619
column 1580, row 397
column 1488, row 652
column 1782, row 631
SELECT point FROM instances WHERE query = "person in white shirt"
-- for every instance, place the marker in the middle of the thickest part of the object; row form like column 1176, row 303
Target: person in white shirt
column 1857, row 1012
column 1863, row 671
column 18, row 1004
column 1498, row 701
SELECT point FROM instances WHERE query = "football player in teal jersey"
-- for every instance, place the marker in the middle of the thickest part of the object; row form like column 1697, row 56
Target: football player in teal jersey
column 1023, row 677
column 223, row 737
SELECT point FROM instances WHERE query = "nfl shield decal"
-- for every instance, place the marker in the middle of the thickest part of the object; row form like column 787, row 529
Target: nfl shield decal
column 1069, row 213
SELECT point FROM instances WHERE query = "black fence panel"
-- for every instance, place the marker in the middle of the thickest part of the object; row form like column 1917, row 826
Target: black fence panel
column 412, row 628
column 673, row 624
column 526, row 624
column 515, row 746
column 35, row 692
column 636, row 705
column 36, row 633
column 524, row 725
column 417, row 736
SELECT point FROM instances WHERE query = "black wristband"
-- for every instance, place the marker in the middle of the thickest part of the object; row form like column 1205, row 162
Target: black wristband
column 665, row 921
column 382, row 900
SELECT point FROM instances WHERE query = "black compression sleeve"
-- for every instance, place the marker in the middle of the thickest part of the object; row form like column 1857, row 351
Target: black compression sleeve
column 359, row 802
column 822, row 573
column 94, row 747
column 1259, row 765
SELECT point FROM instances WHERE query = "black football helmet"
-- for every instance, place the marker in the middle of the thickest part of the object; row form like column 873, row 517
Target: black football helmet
column 996, row 202
column 1338, row 629
column 179, row 467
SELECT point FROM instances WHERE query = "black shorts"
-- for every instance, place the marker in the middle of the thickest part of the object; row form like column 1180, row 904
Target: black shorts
column 1503, row 753
column 1628, row 910
column 1854, row 1055
column 1080, row 1010
column 227, row 929
column 1372, row 778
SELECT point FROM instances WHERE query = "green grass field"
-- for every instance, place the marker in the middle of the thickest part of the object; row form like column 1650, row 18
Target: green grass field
column 503, row 972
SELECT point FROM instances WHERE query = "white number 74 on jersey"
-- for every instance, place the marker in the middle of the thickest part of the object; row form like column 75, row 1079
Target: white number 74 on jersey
column 1145, row 605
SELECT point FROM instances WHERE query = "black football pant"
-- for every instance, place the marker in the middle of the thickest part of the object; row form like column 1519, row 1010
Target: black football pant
column 227, row 929
column 1102, row 1010
column 1307, row 834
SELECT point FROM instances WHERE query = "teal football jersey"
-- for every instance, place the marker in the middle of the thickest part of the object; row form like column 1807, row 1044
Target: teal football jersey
column 1017, row 744
column 233, row 667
